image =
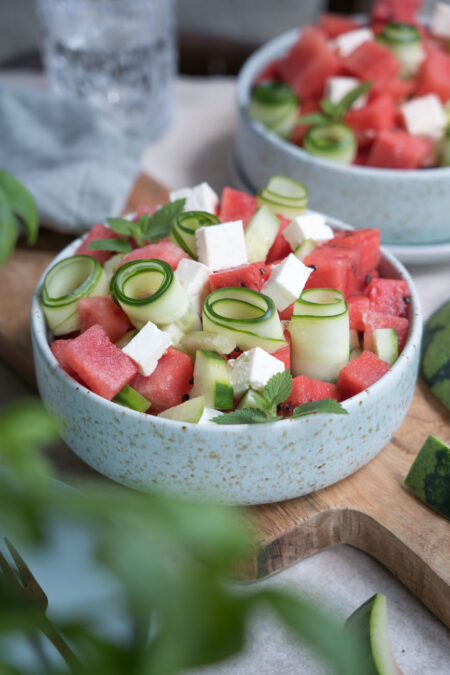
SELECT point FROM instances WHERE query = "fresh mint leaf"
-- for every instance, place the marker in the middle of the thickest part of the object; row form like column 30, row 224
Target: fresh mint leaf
column 20, row 202
column 115, row 245
column 329, row 108
column 326, row 405
column 9, row 231
column 122, row 226
column 347, row 101
column 278, row 389
column 244, row 416
column 314, row 119
column 157, row 226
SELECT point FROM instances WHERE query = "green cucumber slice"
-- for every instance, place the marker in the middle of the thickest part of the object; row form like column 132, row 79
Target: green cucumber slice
column 252, row 399
column 130, row 398
column 67, row 282
column 320, row 334
column 305, row 248
column 355, row 353
column 212, row 380
column 404, row 41
column 385, row 342
column 249, row 317
column 429, row 475
column 111, row 266
column 148, row 290
column 184, row 226
column 435, row 360
column 271, row 102
column 189, row 411
column 260, row 234
column 284, row 196
column 369, row 625
column 213, row 342
column 354, row 339
column 125, row 339
column 336, row 142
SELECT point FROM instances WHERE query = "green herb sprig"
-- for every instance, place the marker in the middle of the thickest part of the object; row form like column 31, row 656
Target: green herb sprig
column 148, row 229
column 335, row 112
column 275, row 392
column 15, row 202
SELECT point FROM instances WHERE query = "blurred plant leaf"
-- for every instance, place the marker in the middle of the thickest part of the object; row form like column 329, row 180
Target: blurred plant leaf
column 20, row 202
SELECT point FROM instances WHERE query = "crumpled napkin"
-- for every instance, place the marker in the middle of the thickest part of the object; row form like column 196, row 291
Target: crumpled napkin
column 78, row 165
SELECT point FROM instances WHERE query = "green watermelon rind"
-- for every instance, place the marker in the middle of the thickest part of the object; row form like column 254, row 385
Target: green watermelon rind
column 429, row 475
column 435, row 360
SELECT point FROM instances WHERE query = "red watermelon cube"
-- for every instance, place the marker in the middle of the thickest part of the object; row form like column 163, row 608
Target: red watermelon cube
column 336, row 266
column 236, row 205
column 59, row 348
column 357, row 306
column 99, row 231
column 366, row 242
column 269, row 73
column 102, row 310
column 246, row 276
column 399, row 150
column 309, row 64
column 434, row 75
column 162, row 250
column 403, row 11
column 360, row 373
column 336, row 24
column 389, row 296
column 400, row 89
column 372, row 62
column 284, row 355
column 169, row 383
column 306, row 389
column 99, row 363
column 366, row 122
column 144, row 208
column 280, row 248
column 373, row 320
column 286, row 314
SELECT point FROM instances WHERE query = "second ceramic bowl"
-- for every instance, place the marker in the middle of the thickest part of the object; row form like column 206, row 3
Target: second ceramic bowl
column 409, row 207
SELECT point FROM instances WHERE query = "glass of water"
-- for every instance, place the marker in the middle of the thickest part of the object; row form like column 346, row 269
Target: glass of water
column 118, row 55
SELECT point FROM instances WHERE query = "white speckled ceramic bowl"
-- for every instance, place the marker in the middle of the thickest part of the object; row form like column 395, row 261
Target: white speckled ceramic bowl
column 409, row 207
column 243, row 464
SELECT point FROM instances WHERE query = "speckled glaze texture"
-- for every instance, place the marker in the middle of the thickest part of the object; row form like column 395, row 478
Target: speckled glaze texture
column 243, row 464
column 409, row 207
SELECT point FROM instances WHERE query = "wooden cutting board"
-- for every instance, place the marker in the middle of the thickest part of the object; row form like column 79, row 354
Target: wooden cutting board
column 371, row 510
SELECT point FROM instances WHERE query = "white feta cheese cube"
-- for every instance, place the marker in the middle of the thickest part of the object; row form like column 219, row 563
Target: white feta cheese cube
column 187, row 194
column 286, row 282
column 147, row 347
column 207, row 199
column 221, row 246
column 207, row 415
column 174, row 331
column 307, row 226
column 194, row 277
column 425, row 116
column 254, row 368
column 440, row 20
column 199, row 198
column 337, row 87
column 348, row 42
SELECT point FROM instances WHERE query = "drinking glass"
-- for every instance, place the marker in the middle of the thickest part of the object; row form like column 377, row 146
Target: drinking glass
column 118, row 55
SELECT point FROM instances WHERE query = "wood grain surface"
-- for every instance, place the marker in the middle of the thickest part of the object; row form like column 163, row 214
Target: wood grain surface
column 371, row 510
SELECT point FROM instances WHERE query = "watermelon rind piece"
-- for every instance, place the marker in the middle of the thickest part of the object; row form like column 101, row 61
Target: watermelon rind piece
column 369, row 625
column 435, row 359
column 429, row 475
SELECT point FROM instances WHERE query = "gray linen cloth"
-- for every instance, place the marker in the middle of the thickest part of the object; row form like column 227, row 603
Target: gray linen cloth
column 75, row 161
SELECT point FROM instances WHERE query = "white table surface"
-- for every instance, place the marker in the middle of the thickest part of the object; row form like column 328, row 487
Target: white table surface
column 197, row 148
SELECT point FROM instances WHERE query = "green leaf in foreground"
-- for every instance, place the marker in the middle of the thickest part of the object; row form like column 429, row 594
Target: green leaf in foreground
column 157, row 226
column 244, row 416
column 278, row 389
column 9, row 232
column 127, row 228
column 20, row 201
column 313, row 119
column 115, row 245
column 349, row 99
column 325, row 405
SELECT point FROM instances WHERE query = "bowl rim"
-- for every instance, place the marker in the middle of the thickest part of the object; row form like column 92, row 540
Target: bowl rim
column 39, row 334
column 254, row 65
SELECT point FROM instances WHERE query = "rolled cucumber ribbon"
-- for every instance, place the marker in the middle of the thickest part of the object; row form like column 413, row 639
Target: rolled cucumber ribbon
column 336, row 142
column 184, row 226
column 67, row 282
column 148, row 290
column 285, row 196
column 320, row 334
column 250, row 317
column 405, row 42
column 275, row 105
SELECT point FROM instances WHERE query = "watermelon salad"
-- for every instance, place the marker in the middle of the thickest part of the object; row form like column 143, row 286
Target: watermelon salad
column 373, row 94
column 243, row 310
